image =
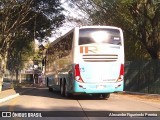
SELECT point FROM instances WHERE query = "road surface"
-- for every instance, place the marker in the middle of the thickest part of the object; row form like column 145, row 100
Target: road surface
column 40, row 99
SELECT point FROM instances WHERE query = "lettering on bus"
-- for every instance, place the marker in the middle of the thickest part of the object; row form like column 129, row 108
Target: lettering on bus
column 88, row 49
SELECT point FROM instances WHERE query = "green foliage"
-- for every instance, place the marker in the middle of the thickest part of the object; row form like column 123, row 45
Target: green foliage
column 140, row 20
column 47, row 16
column 23, row 21
column 20, row 51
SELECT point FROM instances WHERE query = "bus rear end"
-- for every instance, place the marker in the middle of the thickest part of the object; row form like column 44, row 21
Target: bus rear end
column 98, row 60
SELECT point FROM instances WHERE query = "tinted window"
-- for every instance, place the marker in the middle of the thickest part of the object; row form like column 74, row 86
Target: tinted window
column 99, row 35
column 62, row 48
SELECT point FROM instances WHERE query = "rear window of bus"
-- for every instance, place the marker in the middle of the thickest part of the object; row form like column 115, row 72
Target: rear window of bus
column 99, row 35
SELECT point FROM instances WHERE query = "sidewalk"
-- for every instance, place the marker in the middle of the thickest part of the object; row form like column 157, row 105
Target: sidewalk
column 155, row 97
column 138, row 93
column 8, row 94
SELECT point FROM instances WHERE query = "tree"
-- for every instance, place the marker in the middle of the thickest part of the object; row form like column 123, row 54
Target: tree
column 138, row 18
column 20, row 51
column 35, row 18
column 146, row 16
column 12, row 14
column 48, row 16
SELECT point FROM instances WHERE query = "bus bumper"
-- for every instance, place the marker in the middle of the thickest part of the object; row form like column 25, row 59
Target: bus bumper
column 97, row 87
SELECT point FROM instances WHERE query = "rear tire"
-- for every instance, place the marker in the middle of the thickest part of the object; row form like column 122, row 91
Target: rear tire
column 66, row 93
column 47, row 82
column 105, row 95
column 62, row 88
column 102, row 95
column 50, row 89
column 97, row 95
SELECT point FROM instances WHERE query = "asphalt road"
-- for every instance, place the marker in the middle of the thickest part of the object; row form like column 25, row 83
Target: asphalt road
column 41, row 99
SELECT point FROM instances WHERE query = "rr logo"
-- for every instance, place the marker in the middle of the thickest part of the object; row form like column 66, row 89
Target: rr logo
column 88, row 49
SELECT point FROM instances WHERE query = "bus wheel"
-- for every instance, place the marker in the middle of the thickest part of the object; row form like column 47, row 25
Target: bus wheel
column 62, row 89
column 105, row 95
column 50, row 89
column 97, row 95
column 66, row 91
column 47, row 82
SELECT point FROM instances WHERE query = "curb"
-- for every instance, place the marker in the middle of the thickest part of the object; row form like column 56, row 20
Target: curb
column 15, row 95
column 137, row 93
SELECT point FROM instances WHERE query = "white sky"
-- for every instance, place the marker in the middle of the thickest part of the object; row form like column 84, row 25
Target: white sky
column 67, row 26
column 69, row 12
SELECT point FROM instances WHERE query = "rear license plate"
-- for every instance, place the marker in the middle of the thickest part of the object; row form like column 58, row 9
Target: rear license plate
column 100, row 86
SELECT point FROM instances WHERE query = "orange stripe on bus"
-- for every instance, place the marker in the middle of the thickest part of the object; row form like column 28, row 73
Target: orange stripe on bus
column 81, row 49
column 86, row 49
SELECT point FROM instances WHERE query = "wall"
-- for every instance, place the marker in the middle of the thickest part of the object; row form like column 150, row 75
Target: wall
column 142, row 76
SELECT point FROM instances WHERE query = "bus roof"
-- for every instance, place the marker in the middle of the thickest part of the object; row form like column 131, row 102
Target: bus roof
column 81, row 27
column 96, row 26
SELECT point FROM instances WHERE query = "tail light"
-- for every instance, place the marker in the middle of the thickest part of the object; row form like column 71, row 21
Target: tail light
column 77, row 74
column 121, row 74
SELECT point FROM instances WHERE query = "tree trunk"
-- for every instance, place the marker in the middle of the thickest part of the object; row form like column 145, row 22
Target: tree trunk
column 1, row 81
column 3, row 67
column 2, row 71
column 17, row 81
column 11, row 79
column 154, row 54
column 20, row 77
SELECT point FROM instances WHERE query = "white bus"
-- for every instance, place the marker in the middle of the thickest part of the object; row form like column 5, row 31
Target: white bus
column 86, row 60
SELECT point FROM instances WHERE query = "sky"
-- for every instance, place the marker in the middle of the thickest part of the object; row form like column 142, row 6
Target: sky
column 66, row 26
column 70, row 11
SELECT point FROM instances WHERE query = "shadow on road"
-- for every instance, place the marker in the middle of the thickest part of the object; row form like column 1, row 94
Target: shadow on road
column 44, row 92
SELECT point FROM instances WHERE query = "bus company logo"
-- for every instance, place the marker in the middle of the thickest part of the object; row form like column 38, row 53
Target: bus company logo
column 88, row 49
column 20, row 114
column 6, row 114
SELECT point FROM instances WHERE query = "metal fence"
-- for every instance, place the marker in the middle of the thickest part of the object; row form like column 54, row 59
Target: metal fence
column 142, row 76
